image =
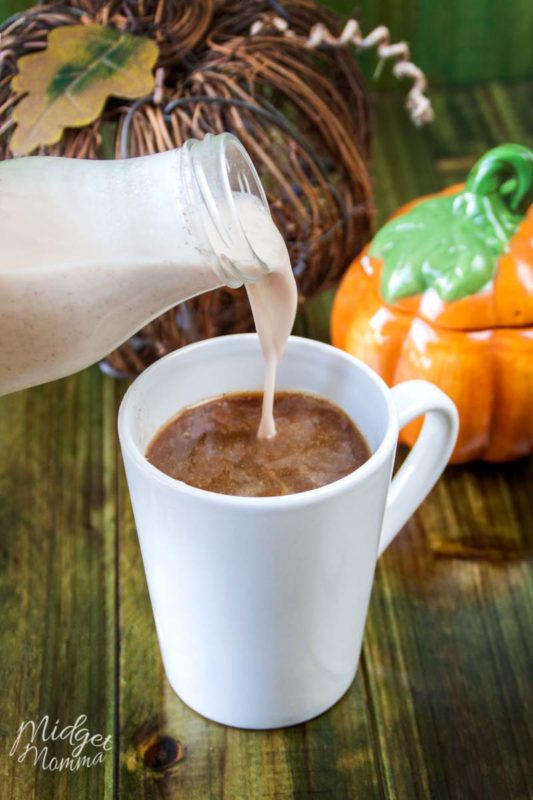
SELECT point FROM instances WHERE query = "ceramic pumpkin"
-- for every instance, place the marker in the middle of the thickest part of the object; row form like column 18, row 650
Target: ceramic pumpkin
column 444, row 292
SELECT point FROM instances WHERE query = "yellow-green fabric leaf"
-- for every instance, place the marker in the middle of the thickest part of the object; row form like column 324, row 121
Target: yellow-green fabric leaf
column 67, row 84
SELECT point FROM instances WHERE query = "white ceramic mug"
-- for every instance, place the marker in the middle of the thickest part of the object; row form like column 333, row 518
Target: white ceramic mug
column 260, row 602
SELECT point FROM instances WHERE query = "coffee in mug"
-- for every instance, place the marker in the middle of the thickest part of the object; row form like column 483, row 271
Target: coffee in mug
column 214, row 445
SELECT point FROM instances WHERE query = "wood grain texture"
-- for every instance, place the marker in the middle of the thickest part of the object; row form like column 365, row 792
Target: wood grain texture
column 57, row 586
column 454, row 42
column 441, row 703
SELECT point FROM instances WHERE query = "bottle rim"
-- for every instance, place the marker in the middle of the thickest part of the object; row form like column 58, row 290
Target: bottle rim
column 222, row 167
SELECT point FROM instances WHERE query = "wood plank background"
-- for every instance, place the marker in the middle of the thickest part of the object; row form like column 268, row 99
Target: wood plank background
column 441, row 703
column 456, row 42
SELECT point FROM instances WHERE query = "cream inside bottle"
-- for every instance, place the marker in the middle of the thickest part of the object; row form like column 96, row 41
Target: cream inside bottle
column 90, row 251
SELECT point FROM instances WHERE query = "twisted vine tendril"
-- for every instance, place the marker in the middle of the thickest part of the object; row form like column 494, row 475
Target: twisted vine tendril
column 417, row 103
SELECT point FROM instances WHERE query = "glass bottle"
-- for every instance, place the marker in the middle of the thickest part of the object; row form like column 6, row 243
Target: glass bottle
column 91, row 251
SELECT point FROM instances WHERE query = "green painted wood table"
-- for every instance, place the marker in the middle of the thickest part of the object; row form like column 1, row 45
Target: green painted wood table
column 442, row 701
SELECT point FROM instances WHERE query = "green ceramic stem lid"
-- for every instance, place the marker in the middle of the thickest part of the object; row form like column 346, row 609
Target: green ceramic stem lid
column 451, row 244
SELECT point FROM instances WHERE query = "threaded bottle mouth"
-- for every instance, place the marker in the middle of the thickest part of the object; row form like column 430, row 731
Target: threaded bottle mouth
column 222, row 169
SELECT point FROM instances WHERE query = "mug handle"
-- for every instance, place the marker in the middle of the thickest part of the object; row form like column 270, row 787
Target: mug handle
column 428, row 457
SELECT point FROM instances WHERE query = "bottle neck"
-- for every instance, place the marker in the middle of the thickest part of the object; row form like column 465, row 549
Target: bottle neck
column 227, row 200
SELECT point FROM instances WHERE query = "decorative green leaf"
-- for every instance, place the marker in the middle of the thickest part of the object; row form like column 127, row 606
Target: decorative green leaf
column 452, row 244
column 68, row 84
column 431, row 247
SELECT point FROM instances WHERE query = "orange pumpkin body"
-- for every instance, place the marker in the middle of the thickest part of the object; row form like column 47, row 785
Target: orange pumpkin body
column 478, row 349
